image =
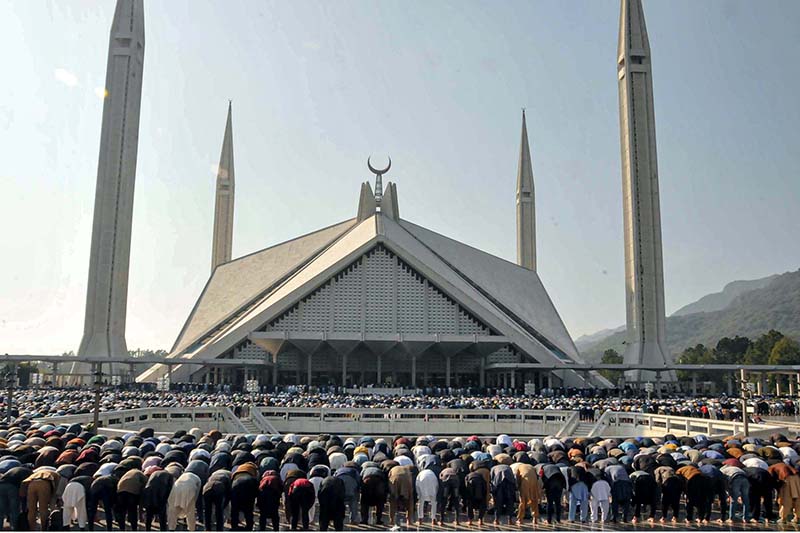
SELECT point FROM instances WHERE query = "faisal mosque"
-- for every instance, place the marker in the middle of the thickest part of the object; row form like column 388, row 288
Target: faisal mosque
column 375, row 299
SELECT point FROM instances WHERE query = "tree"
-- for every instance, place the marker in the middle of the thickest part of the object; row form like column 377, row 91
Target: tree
column 731, row 351
column 697, row 355
column 760, row 350
column 611, row 357
column 785, row 352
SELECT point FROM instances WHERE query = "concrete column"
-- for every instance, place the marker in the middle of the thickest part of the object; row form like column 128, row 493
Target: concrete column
column 274, row 370
column 482, row 376
column 730, row 385
column 55, row 373
column 658, row 385
column 513, row 379
column 762, row 384
column 344, row 370
column 379, row 380
column 308, row 368
column 447, row 371
column 791, row 386
column 694, row 384
column 778, row 379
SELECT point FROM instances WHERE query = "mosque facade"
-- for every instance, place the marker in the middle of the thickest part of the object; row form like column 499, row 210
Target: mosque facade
column 375, row 300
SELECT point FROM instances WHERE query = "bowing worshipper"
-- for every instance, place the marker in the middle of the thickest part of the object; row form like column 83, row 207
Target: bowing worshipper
column 216, row 494
column 476, row 494
column 374, row 492
column 450, row 483
column 352, row 482
column 621, row 492
column 427, row 485
column 317, row 473
column 504, row 490
column 182, row 501
column 198, row 465
column 331, row 499
column 788, row 484
column 578, row 494
column 761, row 489
column 600, row 496
column 530, row 488
column 697, row 493
column 717, row 491
column 244, row 491
column 40, row 488
column 301, row 497
column 645, row 494
column 270, row 491
column 10, row 483
column 739, row 491
column 129, row 495
column 155, row 497
column 554, row 485
column 74, row 502
column 401, row 492
column 671, row 486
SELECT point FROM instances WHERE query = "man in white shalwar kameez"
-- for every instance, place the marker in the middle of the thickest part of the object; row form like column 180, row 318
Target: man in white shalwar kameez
column 74, row 499
column 182, row 500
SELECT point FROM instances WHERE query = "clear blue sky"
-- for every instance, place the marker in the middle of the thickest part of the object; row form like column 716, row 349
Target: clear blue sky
column 318, row 86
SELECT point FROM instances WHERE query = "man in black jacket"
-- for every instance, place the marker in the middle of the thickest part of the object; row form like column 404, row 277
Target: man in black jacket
column 216, row 494
column 154, row 499
column 331, row 497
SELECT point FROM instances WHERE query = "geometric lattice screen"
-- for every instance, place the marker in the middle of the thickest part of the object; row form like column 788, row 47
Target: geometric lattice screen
column 378, row 293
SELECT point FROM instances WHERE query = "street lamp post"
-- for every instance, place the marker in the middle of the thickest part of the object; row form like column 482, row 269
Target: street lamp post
column 11, row 382
column 745, row 422
column 98, row 381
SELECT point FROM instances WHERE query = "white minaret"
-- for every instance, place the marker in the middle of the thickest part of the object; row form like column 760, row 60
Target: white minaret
column 644, row 271
column 222, row 244
column 526, row 204
column 107, row 292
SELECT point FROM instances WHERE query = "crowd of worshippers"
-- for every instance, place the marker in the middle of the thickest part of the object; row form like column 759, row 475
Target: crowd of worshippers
column 38, row 403
column 57, row 477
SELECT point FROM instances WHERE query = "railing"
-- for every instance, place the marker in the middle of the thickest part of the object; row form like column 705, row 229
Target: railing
column 232, row 422
column 382, row 391
column 569, row 426
column 161, row 419
column 262, row 423
column 435, row 421
column 614, row 424
column 517, row 422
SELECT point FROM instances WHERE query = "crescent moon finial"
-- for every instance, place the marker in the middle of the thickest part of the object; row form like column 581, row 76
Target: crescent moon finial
column 378, row 171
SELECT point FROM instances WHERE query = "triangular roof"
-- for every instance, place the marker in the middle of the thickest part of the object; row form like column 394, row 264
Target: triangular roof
column 517, row 290
column 235, row 284
column 247, row 293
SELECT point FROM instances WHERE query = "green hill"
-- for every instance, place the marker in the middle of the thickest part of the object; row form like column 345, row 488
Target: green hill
column 750, row 314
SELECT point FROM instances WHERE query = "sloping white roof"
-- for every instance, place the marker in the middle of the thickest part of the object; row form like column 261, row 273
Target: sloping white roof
column 517, row 289
column 235, row 284
column 243, row 295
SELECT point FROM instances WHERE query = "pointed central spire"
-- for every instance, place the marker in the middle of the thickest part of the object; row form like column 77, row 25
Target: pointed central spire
column 526, row 207
column 222, row 243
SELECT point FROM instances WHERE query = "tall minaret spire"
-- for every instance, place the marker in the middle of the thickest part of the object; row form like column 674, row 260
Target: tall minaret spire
column 526, row 204
column 107, row 291
column 644, row 271
column 222, row 244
